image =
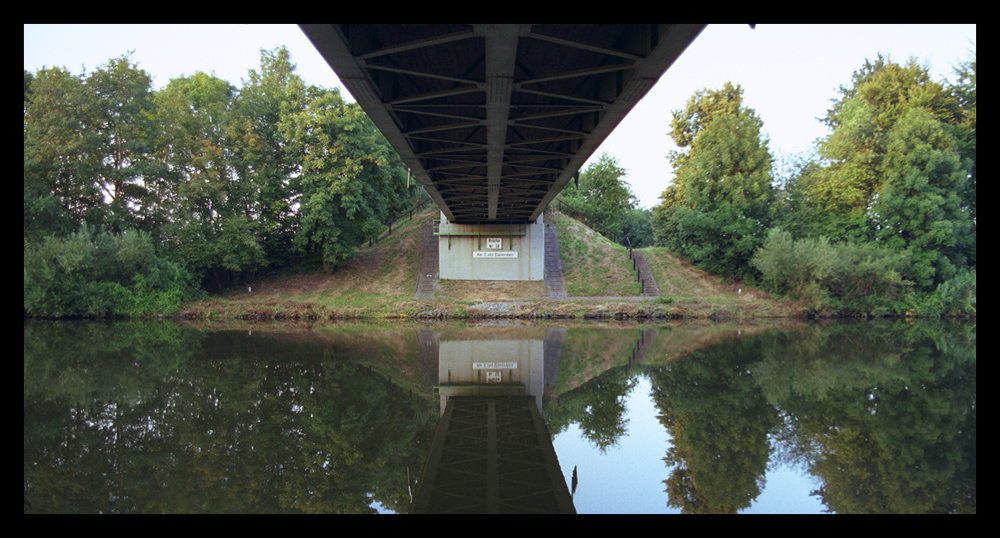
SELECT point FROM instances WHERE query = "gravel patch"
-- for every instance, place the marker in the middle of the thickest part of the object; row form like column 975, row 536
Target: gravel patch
column 491, row 308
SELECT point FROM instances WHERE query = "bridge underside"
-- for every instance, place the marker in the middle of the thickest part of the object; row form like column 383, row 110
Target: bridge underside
column 494, row 120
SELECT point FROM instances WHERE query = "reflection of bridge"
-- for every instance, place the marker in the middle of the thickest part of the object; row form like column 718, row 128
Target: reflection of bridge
column 495, row 119
column 492, row 454
column 491, row 451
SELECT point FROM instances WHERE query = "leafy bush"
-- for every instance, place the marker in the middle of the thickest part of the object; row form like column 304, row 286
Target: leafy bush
column 857, row 278
column 96, row 274
column 797, row 269
column 867, row 278
column 956, row 296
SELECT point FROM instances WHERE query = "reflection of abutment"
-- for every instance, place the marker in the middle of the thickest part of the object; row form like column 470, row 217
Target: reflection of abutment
column 492, row 452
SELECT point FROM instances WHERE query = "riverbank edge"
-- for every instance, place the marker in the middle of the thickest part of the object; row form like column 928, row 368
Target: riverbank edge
column 445, row 315
column 585, row 309
column 517, row 310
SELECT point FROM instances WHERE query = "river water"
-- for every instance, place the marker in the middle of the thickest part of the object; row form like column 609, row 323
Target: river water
column 696, row 417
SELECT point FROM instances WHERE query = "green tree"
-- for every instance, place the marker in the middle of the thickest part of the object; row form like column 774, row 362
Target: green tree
column 856, row 149
column 703, row 107
column 965, row 136
column 798, row 269
column 264, row 168
column 88, row 150
column 97, row 273
column 719, row 207
column 662, row 218
column 210, row 227
column 919, row 207
column 606, row 197
column 192, row 113
column 793, row 210
column 59, row 147
column 351, row 178
column 637, row 226
column 898, row 167
column 850, row 276
column 128, row 175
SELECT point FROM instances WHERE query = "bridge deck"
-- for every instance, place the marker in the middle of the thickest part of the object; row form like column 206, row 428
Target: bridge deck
column 494, row 119
column 492, row 455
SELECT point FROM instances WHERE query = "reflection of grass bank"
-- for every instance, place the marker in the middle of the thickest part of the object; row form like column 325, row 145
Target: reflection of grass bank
column 590, row 349
column 587, row 351
column 390, row 350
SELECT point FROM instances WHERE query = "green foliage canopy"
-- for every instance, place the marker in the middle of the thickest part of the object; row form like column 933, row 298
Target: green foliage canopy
column 351, row 178
column 604, row 199
column 224, row 181
column 716, row 212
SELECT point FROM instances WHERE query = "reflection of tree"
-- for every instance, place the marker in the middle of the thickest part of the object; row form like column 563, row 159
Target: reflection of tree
column 719, row 422
column 884, row 414
column 591, row 361
column 602, row 420
column 598, row 406
column 129, row 421
column 356, row 444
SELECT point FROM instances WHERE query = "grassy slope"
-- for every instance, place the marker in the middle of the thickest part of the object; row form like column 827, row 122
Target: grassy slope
column 593, row 265
column 381, row 280
column 693, row 291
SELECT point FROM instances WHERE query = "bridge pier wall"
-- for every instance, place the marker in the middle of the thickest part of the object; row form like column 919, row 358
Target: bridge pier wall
column 491, row 251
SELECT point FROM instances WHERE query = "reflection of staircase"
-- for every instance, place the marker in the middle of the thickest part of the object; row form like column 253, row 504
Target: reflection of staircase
column 554, row 283
column 642, row 347
column 429, row 274
column 429, row 344
column 552, row 350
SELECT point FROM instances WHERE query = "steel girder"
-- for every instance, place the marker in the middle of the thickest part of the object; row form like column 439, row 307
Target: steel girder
column 495, row 119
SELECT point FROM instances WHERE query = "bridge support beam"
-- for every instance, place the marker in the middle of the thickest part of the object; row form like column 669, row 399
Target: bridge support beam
column 491, row 251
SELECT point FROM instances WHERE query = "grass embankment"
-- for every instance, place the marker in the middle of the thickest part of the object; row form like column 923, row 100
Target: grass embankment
column 593, row 265
column 380, row 283
column 693, row 292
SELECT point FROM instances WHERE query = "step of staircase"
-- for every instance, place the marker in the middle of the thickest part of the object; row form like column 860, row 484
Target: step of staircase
column 430, row 272
column 649, row 287
column 555, row 285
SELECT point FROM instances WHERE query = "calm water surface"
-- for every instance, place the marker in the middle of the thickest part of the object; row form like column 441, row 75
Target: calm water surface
column 860, row 417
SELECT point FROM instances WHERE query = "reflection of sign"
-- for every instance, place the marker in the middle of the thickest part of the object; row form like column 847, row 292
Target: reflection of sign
column 493, row 365
column 495, row 254
column 494, row 242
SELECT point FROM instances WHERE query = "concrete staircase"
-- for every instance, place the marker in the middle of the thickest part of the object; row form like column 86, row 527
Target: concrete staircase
column 430, row 271
column 649, row 287
column 554, row 283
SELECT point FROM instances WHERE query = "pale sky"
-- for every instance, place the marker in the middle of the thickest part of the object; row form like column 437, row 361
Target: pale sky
column 789, row 73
